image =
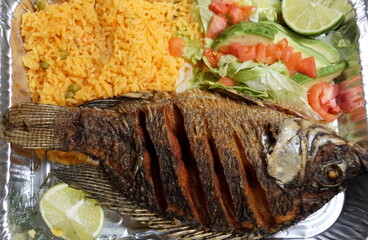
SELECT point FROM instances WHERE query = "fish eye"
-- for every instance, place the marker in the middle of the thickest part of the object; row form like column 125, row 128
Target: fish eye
column 333, row 176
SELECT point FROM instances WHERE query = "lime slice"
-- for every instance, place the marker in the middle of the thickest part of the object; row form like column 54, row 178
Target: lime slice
column 310, row 17
column 70, row 215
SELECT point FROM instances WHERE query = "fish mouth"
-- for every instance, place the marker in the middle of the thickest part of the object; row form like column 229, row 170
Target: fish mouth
column 362, row 155
column 339, row 163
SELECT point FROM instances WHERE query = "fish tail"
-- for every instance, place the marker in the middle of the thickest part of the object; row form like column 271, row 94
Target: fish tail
column 34, row 126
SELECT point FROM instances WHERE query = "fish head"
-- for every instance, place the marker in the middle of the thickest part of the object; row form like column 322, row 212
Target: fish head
column 335, row 162
column 313, row 156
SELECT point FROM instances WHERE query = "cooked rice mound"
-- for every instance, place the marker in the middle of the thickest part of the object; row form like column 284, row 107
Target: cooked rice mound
column 105, row 47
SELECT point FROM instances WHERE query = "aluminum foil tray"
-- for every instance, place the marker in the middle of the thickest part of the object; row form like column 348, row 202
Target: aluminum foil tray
column 22, row 177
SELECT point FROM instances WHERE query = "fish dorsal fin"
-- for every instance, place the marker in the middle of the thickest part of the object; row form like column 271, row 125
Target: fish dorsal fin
column 92, row 179
column 258, row 102
column 112, row 102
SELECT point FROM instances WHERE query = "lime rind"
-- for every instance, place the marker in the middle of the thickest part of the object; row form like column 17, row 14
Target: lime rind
column 310, row 18
column 70, row 215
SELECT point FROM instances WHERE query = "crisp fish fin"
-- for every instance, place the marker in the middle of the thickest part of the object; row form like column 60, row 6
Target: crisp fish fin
column 92, row 180
column 33, row 125
column 112, row 102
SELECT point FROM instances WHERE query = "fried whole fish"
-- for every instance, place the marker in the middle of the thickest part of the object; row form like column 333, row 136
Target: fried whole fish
column 195, row 164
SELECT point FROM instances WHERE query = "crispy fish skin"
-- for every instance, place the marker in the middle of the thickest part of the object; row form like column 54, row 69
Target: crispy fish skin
column 212, row 161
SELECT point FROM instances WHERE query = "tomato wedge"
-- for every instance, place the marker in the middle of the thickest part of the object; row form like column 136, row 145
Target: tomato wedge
column 221, row 6
column 261, row 53
column 271, row 50
column 234, row 49
column 225, row 49
column 247, row 9
column 176, row 46
column 307, row 66
column 291, row 72
column 271, row 53
column 286, row 53
column 212, row 56
column 246, row 52
column 322, row 99
column 217, row 25
column 294, row 60
column 283, row 43
column 240, row 14
column 227, row 81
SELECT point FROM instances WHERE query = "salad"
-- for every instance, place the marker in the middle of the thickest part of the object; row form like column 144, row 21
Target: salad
column 249, row 48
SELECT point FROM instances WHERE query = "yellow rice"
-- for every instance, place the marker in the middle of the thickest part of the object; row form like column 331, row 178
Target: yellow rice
column 112, row 47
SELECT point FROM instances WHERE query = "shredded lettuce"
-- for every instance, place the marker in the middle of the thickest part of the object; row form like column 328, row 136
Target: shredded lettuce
column 240, row 88
column 230, row 66
column 261, row 81
column 187, row 78
column 193, row 50
column 278, row 86
column 222, row 66
column 205, row 13
column 208, row 80
column 268, row 10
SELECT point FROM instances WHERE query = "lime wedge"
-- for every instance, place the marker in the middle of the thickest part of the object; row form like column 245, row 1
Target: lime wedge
column 310, row 17
column 69, row 214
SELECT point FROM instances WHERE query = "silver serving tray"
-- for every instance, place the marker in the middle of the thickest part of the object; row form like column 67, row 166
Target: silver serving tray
column 22, row 176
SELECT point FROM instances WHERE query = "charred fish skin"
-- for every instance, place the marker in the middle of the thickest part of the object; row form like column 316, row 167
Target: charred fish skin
column 211, row 161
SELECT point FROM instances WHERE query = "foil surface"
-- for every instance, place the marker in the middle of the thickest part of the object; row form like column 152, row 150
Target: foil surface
column 22, row 177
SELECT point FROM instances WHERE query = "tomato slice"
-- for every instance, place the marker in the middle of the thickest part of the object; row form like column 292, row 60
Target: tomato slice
column 217, row 25
column 176, row 46
column 234, row 49
column 246, row 52
column 328, row 99
column 307, row 66
column 212, row 56
column 227, row 81
column 221, row 6
column 322, row 99
column 351, row 98
column 358, row 115
column 261, row 53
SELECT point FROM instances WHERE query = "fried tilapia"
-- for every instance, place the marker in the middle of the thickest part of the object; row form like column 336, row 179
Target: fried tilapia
column 195, row 164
